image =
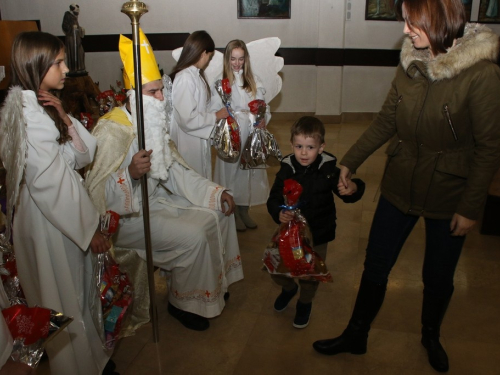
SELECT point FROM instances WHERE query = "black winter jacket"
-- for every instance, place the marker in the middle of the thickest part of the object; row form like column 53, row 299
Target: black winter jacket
column 318, row 181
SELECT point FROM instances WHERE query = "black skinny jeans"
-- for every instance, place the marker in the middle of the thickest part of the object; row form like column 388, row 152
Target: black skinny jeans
column 389, row 231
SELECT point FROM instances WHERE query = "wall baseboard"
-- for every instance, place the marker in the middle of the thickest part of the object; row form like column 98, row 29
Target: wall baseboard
column 326, row 119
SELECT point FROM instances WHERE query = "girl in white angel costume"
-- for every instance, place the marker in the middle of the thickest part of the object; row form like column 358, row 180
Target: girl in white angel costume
column 55, row 220
column 193, row 119
column 250, row 187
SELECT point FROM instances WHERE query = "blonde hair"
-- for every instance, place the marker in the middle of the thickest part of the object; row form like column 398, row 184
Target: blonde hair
column 248, row 78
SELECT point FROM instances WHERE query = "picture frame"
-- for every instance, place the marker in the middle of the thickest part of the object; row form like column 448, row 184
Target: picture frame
column 385, row 10
column 489, row 11
column 264, row 9
column 380, row 10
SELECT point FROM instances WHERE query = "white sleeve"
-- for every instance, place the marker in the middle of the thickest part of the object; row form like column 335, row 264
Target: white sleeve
column 84, row 158
column 190, row 108
column 195, row 188
column 122, row 191
column 55, row 188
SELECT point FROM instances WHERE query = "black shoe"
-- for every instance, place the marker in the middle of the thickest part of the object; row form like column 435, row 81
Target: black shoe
column 109, row 369
column 226, row 296
column 302, row 314
column 345, row 343
column 188, row 320
column 437, row 356
column 284, row 298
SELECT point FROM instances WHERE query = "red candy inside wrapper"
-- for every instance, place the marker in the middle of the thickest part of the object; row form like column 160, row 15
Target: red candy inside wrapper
column 226, row 133
column 86, row 120
column 226, row 87
column 290, row 251
column 112, row 294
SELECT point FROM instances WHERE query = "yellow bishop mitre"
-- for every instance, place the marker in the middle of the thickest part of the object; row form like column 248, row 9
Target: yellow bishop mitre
column 149, row 67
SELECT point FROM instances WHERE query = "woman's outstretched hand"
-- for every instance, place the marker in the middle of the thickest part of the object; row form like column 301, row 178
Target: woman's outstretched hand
column 345, row 176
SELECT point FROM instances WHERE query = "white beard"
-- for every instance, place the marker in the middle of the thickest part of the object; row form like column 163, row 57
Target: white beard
column 155, row 133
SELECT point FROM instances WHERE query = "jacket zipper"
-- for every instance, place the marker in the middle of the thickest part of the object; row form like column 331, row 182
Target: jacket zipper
column 400, row 99
column 448, row 118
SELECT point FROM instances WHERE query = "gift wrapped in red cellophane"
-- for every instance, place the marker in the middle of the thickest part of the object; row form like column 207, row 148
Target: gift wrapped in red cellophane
column 31, row 329
column 226, row 137
column 290, row 252
column 112, row 292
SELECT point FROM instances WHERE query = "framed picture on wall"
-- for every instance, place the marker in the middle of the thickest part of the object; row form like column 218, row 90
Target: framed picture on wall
column 488, row 11
column 380, row 10
column 271, row 9
column 385, row 10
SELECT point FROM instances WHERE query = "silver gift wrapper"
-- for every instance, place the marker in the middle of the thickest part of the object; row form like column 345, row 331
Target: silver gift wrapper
column 259, row 146
column 221, row 134
column 31, row 354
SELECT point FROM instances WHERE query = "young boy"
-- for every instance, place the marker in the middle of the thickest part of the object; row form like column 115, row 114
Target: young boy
column 316, row 171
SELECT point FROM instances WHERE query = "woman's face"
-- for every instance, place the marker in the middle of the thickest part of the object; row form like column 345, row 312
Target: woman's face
column 54, row 79
column 418, row 37
column 237, row 59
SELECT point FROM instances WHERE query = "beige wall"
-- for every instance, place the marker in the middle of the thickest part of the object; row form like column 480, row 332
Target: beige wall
column 314, row 23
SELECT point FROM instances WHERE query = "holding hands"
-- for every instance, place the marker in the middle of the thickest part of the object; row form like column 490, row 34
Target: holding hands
column 345, row 185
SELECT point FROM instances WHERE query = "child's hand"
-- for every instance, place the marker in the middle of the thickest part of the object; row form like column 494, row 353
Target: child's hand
column 286, row 216
column 350, row 190
column 50, row 100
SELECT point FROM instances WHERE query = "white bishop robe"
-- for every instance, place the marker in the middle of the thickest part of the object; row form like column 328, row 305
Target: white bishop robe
column 191, row 237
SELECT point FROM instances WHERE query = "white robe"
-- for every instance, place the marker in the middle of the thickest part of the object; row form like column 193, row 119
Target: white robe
column 193, row 121
column 250, row 187
column 54, row 223
column 5, row 337
column 191, row 238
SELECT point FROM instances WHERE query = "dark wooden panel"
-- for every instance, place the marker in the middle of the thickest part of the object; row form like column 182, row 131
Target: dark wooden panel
column 109, row 42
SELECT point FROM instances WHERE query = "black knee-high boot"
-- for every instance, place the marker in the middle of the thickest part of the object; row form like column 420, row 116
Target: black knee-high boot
column 433, row 310
column 354, row 338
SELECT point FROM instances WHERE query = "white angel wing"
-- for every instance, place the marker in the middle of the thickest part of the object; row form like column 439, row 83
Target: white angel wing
column 13, row 149
column 214, row 68
column 265, row 65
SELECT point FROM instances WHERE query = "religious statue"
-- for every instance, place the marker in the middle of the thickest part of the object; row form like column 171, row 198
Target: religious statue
column 74, row 34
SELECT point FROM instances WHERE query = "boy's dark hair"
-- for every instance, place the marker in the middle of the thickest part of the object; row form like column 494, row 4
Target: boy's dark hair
column 308, row 126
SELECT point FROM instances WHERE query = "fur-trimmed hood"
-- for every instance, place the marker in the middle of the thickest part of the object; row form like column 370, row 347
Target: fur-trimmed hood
column 478, row 43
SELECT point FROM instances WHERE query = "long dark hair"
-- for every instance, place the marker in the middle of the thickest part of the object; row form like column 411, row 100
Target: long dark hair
column 197, row 43
column 33, row 53
column 442, row 21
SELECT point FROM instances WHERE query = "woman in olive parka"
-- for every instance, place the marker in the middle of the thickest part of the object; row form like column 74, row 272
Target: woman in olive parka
column 443, row 116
